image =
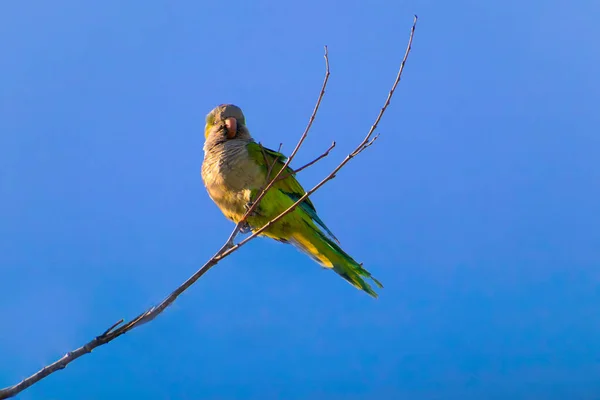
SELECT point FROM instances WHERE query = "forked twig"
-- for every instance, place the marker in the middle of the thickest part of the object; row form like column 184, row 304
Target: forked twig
column 325, row 154
column 119, row 328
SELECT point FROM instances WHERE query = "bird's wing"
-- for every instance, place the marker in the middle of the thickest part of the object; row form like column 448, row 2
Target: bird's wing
column 289, row 185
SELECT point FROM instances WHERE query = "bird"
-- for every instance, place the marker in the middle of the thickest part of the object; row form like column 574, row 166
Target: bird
column 234, row 171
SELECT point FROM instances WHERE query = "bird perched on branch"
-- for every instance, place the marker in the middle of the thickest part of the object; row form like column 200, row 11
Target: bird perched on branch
column 235, row 170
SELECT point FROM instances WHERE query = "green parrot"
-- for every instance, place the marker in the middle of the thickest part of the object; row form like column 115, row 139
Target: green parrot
column 235, row 170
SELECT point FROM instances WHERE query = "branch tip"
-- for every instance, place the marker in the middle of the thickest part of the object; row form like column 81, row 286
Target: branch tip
column 113, row 326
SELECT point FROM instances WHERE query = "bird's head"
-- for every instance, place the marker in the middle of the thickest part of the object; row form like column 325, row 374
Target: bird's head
column 226, row 122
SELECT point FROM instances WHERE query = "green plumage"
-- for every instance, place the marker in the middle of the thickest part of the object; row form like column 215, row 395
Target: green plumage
column 234, row 171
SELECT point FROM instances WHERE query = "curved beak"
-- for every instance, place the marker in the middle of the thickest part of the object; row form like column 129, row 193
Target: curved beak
column 231, row 124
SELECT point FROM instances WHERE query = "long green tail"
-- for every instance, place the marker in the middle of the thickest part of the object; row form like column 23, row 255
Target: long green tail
column 327, row 253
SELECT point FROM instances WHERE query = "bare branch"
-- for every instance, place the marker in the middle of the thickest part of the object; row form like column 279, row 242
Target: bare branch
column 111, row 333
column 298, row 145
column 228, row 248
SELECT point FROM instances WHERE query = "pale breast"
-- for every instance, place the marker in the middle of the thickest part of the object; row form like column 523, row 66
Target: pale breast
column 230, row 175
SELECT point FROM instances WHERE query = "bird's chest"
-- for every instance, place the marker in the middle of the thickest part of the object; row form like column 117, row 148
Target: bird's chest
column 230, row 176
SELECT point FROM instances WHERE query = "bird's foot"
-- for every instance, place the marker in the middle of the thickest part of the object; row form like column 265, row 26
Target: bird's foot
column 248, row 206
column 245, row 228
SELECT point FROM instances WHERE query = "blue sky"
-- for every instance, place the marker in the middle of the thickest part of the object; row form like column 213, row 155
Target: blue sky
column 477, row 209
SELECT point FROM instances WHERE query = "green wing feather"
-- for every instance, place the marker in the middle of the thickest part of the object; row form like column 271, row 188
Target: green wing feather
column 316, row 241
column 288, row 186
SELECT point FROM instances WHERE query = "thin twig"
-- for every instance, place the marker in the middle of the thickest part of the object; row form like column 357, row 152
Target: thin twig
column 270, row 166
column 325, row 154
column 298, row 145
column 228, row 248
column 106, row 332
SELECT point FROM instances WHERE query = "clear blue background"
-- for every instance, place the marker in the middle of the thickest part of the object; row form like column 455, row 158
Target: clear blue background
column 478, row 208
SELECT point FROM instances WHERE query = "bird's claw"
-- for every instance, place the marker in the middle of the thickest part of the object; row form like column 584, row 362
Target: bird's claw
column 245, row 228
column 248, row 206
column 242, row 227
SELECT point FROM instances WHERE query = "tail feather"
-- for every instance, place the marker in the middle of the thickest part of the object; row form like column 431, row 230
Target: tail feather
column 329, row 254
